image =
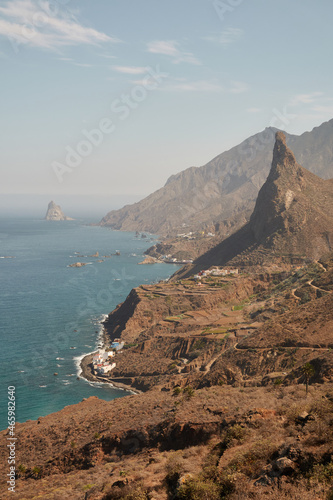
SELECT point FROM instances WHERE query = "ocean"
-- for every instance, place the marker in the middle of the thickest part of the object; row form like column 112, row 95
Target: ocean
column 51, row 314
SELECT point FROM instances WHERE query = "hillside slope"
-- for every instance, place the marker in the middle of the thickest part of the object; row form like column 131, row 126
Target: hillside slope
column 225, row 412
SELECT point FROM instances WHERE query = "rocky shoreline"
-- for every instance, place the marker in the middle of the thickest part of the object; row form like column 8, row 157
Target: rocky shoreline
column 86, row 372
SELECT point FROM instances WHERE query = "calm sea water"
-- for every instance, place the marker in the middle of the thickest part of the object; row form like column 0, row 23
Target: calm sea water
column 51, row 313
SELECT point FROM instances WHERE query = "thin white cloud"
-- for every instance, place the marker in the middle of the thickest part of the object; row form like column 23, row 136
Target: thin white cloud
column 171, row 49
column 130, row 70
column 184, row 85
column 238, row 87
column 306, row 108
column 197, row 86
column 254, row 110
column 305, row 98
column 323, row 109
column 107, row 56
column 83, row 65
column 39, row 26
column 226, row 37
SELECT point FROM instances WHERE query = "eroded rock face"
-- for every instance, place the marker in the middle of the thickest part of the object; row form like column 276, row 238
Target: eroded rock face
column 54, row 212
column 294, row 209
column 292, row 221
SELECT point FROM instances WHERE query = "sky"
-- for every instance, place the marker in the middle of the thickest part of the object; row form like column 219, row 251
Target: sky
column 103, row 100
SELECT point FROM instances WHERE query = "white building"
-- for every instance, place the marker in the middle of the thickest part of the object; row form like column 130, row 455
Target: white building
column 117, row 345
column 106, row 368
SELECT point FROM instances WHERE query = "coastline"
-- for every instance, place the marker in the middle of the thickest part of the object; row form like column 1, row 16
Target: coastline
column 84, row 364
column 86, row 371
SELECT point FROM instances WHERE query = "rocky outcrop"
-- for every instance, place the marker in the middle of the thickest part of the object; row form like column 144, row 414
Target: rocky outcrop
column 227, row 187
column 54, row 212
column 292, row 221
column 150, row 260
column 294, row 210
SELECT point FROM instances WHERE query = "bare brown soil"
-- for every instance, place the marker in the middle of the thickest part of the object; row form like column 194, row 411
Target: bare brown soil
column 237, row 442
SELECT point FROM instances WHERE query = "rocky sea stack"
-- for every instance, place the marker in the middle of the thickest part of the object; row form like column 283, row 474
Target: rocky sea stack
column 54, row 212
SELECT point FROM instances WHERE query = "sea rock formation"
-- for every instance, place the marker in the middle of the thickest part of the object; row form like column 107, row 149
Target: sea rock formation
column 150, row 260
column 54, row 212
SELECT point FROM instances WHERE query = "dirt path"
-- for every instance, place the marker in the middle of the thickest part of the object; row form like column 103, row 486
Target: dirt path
column 212, row 361
column 320, row 265
column 281, row 347
column 316, row 287
column 294, row 295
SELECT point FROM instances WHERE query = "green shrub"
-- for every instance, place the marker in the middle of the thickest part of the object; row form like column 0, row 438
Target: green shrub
column 36, row 471
column 239, row 307
column 322, row 473
column 127, row 492
column 176, row 391
column 252, row 461
column 198, row 345
column 172, row 366
column 278, row 382
column 198, row 489
column 174, row 468
column 189, row 391
column 128, row 346
column 87, row 487
column 237, row 433
column 227, row 482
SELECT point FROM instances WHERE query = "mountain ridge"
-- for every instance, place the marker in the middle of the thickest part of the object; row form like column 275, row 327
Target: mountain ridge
column 292, row 219
column 226, row 187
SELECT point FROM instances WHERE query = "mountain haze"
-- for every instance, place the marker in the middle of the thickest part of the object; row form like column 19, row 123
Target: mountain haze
column 225, row 188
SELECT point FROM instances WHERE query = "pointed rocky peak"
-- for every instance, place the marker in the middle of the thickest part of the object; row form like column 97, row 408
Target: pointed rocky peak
column 287, row 196
column 283, row 158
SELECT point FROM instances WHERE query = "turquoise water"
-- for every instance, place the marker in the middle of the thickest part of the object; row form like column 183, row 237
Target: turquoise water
column 51, row 313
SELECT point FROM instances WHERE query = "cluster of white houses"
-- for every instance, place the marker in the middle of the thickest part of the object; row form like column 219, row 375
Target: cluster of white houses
column 102, row 360
column 168, row 259
column 215, row 271
column 194, row 235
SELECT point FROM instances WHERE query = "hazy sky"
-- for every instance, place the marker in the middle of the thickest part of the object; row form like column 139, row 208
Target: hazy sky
column 111, row 97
